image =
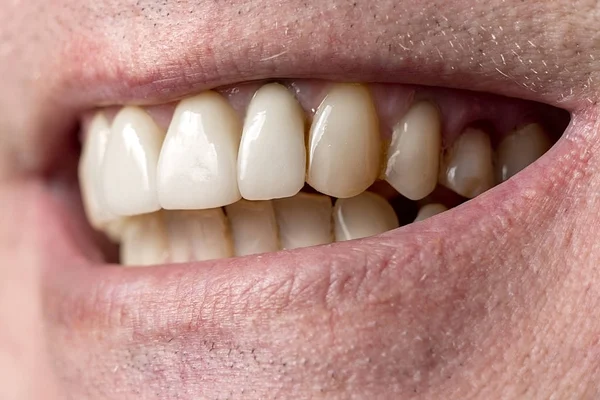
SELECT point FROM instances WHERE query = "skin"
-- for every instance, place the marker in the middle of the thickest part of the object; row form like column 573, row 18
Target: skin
column 496, row 299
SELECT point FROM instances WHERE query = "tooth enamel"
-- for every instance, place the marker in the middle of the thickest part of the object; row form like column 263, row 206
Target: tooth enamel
column 129, row 173
column 520, row 149
column 198, row 235
column 144, row 240
column 272, row 155
column 344, row 147
column 364, row 215
column 197, row 168
column 467, row 167
column 304, row 220
column 429, row 210
column 413, row 156
column 253, row 227
column 90, row 172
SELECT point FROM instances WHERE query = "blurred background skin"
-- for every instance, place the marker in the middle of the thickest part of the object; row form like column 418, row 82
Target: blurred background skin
column 540, row 340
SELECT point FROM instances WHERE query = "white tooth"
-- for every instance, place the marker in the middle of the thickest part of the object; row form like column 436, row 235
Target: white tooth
column 197, row 168
column 467, row 167
column 430, row 210
column 344, row 146
column 364, row 215
column 520, row 149
column 272, row 155
column 198, row 235
column 144, row 240
column 90, row 172
column 253, row 227
column 129, row 176
column 304, row 220
column 414, row 154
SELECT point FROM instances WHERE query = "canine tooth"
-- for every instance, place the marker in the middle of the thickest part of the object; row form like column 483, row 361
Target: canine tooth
column 90, row 172
column 198, row 235
column 253, row 227
column 129, row 173
column 429, row 210
column 344, row 148
column 197, row 168
column 272, row 154
column 520, row 149
column 467, row 166
column 304, row 220
column 364, row 215
column 144, row 240
column 414, row 154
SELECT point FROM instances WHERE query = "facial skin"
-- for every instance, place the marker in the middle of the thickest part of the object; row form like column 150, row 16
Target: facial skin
column 497, row 299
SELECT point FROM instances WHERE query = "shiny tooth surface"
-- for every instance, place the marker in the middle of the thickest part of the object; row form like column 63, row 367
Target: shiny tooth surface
column 429, row 210
column 467, row 167
column 198, row 235
column 364, row 215
column 90, row 172
column 519, row 149
column 197, row 168
column 344, row 147
column 253, row 227
column 304, row 220
column 272, row 153
column 144, row 240
column 413, row 157
column 129, row 173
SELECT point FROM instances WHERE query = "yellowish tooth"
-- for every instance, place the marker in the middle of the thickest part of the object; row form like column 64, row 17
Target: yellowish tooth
column 429, row 210
column 364, row 215
column 272, row 154
column 519, row 149
column 129, row 173
column 467, row 167
column 144, row 240
column 198, row 235
column 304, row 220
column 344, row 146
column 253, row 227
column 414, row 154
column 197, row 168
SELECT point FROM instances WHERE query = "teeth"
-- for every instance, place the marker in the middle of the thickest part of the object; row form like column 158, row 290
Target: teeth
column 198, row 235
column 520, row 149
column 198, row 161
column 413, row 157
column 344, row 145
column 304, row 220
column 90, row 172
column 144, row 240
column 129, row 173
column 430, row 210
column 253, row 226
column 272, row 155
column 364, row 215
column 467, row 166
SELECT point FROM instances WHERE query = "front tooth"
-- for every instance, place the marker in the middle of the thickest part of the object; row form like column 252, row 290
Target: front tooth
column 129, row 173
column 90, row 172
column 144, row 240
column 429, row 210
column 198, row 235
column 414, row 154
column 198, row 161
column 344, row 147
column 272, row 155
column 364, row 215
column 467, row 167
column 253, row 227
column 520, row 149
column 304, row 220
